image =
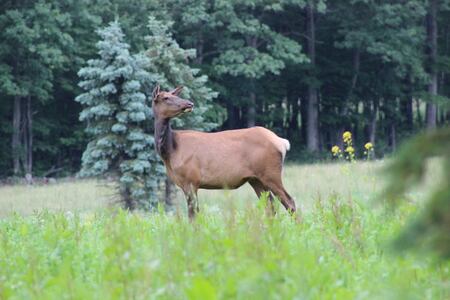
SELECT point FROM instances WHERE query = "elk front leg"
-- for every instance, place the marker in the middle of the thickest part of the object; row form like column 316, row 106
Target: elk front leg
column 192, row 203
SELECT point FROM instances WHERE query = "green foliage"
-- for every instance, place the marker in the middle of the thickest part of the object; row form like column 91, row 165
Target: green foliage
column 117, row 88
column 340, row 249
column 169, row 61
column 34, row 43
column 394, row 32
column 337, row 252
column 251, row 48
column 431, row 228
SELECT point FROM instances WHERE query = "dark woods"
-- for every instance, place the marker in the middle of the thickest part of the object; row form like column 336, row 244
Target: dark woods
column 309, row 70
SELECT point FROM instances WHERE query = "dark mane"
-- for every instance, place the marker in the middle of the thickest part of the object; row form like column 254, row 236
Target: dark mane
column 164, row 140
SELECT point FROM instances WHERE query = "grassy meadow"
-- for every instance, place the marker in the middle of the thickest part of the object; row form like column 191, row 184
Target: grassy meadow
column 70, row 241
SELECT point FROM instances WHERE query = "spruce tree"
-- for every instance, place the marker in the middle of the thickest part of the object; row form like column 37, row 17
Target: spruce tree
column 116, row 110
column 170, row 62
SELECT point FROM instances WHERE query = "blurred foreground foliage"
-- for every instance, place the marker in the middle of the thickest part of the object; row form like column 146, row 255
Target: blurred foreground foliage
column 336, row 252
column 431, row 229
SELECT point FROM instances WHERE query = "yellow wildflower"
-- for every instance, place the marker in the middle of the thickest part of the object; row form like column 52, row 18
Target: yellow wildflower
column 349, row 149
column 347, row 136
column 335, row 150
column 368, row 146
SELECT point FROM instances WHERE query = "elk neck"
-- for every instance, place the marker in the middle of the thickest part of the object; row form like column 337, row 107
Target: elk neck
column 164, row 138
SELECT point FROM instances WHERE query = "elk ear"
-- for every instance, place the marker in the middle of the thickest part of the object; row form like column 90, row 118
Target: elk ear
column 155, row 91
column 177, row 91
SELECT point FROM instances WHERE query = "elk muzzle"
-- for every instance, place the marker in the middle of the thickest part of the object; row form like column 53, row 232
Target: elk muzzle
column 188, row 106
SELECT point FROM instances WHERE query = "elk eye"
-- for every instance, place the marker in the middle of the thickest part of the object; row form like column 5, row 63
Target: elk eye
column 166, row 98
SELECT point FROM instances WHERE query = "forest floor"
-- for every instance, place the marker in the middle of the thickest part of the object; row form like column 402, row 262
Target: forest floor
column 69, row 240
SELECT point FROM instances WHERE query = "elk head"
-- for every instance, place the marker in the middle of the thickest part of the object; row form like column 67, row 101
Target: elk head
column 167, row 105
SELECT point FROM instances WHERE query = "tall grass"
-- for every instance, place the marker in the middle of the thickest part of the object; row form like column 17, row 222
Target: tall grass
column 340, row 249
column 305, row 183
column 78, row 196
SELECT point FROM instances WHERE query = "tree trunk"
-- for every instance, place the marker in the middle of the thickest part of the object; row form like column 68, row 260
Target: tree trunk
column 312, row 129
column 344, row 111
column 199, row 49
column 419, row 115
column 126, row 198
column 392, row 136
column 371, row 126
column 242, row 117
column 431, row 111
column 406, row 106
column 408, row 110
column 389, row 110
column 29, row 137
column 312, row 125
column 293, row 121
column 304, row 118
column 409, row 113
column 15, row 144
column 232, row 120
column 169, row 201
column 356, row 67
column 251, row 110
column 262, row 109
column 24, row 136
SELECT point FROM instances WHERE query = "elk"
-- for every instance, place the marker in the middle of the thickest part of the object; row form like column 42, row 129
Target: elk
column 218, row 160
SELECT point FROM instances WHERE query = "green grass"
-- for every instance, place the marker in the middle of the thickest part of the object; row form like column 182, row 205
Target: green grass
column 78, row 249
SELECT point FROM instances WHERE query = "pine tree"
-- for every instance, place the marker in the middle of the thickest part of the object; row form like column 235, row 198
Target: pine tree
column 117, row 112
column 170, row 62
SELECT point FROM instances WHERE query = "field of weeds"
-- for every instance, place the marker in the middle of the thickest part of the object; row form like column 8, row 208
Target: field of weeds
column 69, row 241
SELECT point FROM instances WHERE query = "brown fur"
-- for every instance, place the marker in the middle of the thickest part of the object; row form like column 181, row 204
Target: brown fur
column 222, row 160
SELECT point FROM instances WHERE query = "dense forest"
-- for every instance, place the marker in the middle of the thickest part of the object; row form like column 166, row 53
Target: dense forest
column 308, row 70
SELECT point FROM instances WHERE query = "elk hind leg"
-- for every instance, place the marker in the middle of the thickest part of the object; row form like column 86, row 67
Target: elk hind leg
column 277, row 188
column 259, row 189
